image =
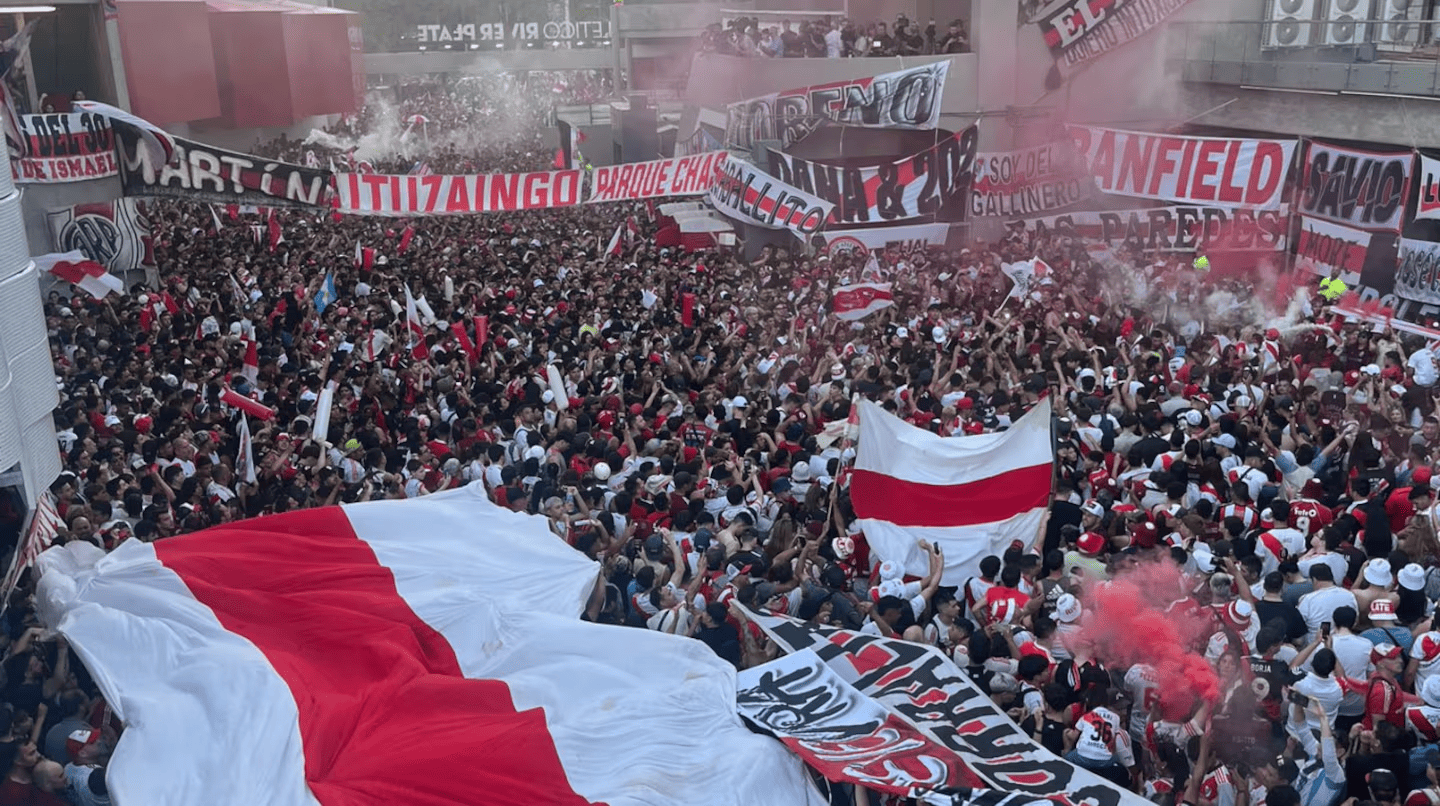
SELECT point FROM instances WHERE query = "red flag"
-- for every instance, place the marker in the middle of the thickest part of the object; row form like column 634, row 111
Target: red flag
column 405, row 238
column 458, row 328
column 276, row 236
column 232, row 212
column 364, row 257
column 852, row 302
column 88, row 275
column 687, row 309
column 335, row 214
column 254, row 408
column 482, row 332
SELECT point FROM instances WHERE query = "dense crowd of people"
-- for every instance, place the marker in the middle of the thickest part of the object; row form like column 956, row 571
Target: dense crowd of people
column 1256, row 474
column 833, row 38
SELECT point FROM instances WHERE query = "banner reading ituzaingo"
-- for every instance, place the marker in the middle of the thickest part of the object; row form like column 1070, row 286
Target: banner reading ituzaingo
column 411, row 195
column 1364, row 189
column 66, row 148
column 932, row 184
column 677, row 176
column 745, row 192
column 1080, row 30
column 1325, row 247
column 1030, row 181
column 1418, row 275
column 929, row 691
column 1192, row 170
column 905, row 99
column 210, row 174
column 1176, row 229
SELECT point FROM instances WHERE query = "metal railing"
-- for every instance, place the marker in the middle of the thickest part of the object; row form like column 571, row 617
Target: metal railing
column 1392, row 57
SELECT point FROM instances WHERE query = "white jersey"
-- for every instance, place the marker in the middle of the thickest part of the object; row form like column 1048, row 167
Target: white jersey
column 1103, row 739
column 1143, row 686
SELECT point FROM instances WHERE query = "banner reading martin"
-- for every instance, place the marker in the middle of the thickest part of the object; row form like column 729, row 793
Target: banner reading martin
column 1190, row 170
column 1364, row 189
column 1080, row 30
column 210, row 174
column 905, row 99
column 65, row 148
column 933, row 184
column 747, row 193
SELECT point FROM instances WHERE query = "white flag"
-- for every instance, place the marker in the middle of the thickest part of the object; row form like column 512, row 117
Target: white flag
column 245, row 461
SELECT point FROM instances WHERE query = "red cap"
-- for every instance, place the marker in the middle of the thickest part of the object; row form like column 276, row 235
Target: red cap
column 1090, row 543
column 636, row 408
column 80, row 739
column 1420, row 477
column 1144, row 535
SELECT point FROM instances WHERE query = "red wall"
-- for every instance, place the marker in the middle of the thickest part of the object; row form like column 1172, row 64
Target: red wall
column 318, row 49
column 255, row 87
column 169, row 60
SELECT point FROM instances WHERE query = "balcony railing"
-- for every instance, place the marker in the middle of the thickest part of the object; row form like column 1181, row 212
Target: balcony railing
column 1372, row 56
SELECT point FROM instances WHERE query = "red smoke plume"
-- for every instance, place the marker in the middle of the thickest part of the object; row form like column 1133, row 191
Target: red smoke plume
column 1127, row 623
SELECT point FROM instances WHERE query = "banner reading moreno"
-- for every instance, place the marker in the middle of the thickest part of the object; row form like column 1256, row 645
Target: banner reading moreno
column 408, row 195
column 677, row 176
column 1194, row 170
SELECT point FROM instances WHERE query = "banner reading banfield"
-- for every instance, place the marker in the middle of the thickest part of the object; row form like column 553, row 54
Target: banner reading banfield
column 1326, row 247
column 745, row 192
column 677, row 176
column 411, row 195
column 210, row 174
column 1207, row 171
column 1364, row 189
column 1177, row 228
column 933, row 184
column 905, row 99
column 1031, row 181
column 69, row 147
column 1080, row 30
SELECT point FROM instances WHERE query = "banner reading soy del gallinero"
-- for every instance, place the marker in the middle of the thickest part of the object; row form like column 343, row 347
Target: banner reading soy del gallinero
column 435, row 194
column 904, row 99
column 933, row 184
column 1362, row 189
column 1190, row 170
column 1029, row 181
column 205, row 173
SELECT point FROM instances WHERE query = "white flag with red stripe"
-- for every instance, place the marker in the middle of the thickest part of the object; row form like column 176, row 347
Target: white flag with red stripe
column 616, row 246
column 251, row 369
column 40, row 533
column 418, row 348
column 973, row 496
column 86, row 274
column 426, row 652
column 852, row 302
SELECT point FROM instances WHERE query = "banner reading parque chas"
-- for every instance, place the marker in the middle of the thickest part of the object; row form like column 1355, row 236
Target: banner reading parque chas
column 932, row 184
column 1176, row 228
column 1214, row 171
column 206, row 173
column 436, row 194
column 904, row 99
column 1080, row 30
column 676, row 176
column 1028, row 181
column 68, row 147
column 745, row 192
column 1363, row 189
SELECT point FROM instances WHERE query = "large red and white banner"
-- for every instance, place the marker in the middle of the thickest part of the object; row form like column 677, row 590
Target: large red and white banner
column 1428, row 206
column 346, row 655
column 933, row 184
column 1027, row 182
column 1364, row 189
column 1197, row 170
column 1176, row 229
column 1325, row 247
column 117, row 234
column 44, row 526
column 410, row 195
column 747, row 193
column 69, row 147
column 972, row 496
column 677, row 176
column 855, row 302
column 1080, row 30
column 926, row 689
column 841, row 733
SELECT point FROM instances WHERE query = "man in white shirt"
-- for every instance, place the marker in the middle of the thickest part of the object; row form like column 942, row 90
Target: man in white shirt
column 1353, row 654
column 1318, row 606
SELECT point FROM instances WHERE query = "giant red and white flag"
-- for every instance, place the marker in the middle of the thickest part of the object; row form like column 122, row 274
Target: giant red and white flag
column 971, row 495
column 858, row 301
column 86, row 274
column 426, row 652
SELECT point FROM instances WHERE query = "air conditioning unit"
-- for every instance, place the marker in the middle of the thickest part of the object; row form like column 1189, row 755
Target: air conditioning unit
column 1394, row 27
column 1347, row 21
column 1291, row 24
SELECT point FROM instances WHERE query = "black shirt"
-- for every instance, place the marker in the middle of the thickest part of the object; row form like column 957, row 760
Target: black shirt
column 1294, row 624
column 723, row 640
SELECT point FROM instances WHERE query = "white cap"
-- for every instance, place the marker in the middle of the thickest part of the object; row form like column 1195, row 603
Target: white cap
column 891, row 570
column 902, row 332
column 601, row 471
column 547, row 396
column 739, row 402
column 1067, row 609
column 938, row 334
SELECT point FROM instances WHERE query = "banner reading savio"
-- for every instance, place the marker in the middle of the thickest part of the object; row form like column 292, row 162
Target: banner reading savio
column 1191, row 170
column 933, row 184
column 929, row 691
column 905, row 99
column 65, row 148
column 1364, row 189
column 676, row 176
column 1030, row 181
column 745, row 192
column 411, row 195
column 1325, row 247
column 210, row 174
column 116, row 234
column 1080, row 30
column 1418, row 275
column 860, row 242
column 1177, row 228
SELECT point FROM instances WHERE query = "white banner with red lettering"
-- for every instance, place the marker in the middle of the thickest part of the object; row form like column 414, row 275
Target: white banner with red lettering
column 1325, row 247
column 854, row 302
column 410, row 195
column 677, row 176
column 1199, row 170
column 1428, row 205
